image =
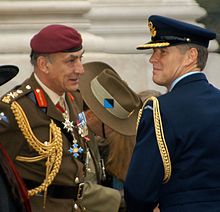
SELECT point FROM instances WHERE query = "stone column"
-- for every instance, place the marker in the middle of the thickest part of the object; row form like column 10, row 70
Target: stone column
column 111, row 30
column 123, row 25
column 20, row 20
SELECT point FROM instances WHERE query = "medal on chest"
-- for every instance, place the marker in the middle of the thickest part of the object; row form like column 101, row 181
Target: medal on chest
column 80, row 125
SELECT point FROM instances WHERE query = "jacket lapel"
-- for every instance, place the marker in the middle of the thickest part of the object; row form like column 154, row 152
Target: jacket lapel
column 51, row 109
column 73, row 111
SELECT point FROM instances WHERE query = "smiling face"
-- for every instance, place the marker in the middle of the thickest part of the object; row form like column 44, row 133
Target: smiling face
column 169, row 63
column 61, row 71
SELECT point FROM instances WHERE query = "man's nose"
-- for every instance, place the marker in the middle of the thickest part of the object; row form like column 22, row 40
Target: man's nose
column 153, row 58
column 79, row 67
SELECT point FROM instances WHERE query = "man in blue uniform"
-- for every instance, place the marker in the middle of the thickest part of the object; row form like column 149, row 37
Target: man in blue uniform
column 177, row 155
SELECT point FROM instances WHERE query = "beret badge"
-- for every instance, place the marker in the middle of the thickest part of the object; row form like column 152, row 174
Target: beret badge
column 152, row 29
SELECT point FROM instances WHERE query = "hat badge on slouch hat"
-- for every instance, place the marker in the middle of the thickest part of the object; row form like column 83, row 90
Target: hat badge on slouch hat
column 7, row 72
column 109, row 97
column 56, row 38
column 169, row 32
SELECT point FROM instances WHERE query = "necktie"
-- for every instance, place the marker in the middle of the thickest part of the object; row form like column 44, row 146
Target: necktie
column 61, row 105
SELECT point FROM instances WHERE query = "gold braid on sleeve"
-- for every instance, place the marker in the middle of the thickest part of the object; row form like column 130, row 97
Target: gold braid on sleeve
column 160, row 136
column 52, row 150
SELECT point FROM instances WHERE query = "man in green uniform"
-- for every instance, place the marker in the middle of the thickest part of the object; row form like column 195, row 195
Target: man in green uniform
column 46, row 133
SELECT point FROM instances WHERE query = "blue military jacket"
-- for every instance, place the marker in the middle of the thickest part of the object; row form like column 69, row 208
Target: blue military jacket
column 191, row 123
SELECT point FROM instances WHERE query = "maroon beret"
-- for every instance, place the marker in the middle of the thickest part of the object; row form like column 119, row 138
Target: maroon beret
column 56, row 38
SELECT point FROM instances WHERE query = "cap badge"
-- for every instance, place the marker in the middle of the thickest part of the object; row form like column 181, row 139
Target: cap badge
column 152, row 29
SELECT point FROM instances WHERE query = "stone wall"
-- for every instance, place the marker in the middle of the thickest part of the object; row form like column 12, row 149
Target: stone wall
column 111, row 30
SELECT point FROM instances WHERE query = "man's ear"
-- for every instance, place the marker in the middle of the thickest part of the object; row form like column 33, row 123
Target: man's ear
column 192, row 56
column 42, row 63
column 194, row 53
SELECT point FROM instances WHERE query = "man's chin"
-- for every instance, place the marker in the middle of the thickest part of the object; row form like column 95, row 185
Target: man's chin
column 157, row 81
column 73, row 87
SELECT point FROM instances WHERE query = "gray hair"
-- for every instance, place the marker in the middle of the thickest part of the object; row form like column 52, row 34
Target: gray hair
column 35, row 55
column 202, row 53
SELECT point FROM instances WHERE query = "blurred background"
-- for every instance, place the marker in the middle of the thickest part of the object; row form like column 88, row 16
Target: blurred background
column 111, row 30
column 211, row 19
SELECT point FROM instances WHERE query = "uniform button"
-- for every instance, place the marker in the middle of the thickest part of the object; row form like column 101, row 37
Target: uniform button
column 75, row 206
column 28, row 87
column 76, row 180
column 19, row 91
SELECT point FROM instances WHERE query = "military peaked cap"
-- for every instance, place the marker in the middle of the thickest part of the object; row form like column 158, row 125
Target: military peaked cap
column 167, row 32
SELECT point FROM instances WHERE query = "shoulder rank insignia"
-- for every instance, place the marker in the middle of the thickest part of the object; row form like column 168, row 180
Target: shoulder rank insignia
column 148, row 107
column 15, row 94
column 10, row 96
column 39, row 94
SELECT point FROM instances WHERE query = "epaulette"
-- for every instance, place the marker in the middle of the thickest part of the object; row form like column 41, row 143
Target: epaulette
column 15, row 93
column 164, row 152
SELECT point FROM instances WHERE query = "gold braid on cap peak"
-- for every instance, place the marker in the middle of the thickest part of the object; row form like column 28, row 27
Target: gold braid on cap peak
column 52, row 150
column 159, row 135
column 154, row 45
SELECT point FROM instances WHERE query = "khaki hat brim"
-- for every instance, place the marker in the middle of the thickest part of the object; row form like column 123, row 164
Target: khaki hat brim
column 123, row 126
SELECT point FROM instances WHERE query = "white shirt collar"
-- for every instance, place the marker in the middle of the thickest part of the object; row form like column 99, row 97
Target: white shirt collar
column 53, row 96
column 181, row 77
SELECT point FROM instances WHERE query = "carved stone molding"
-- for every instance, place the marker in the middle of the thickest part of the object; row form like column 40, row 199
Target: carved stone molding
column 19, row 20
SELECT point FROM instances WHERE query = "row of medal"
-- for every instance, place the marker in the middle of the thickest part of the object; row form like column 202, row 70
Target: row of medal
column 81, row 125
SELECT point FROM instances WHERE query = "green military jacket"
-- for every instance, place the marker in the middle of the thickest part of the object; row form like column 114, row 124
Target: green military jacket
column 39, row 112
